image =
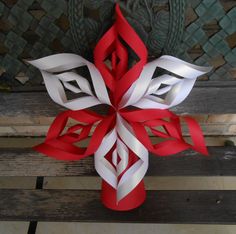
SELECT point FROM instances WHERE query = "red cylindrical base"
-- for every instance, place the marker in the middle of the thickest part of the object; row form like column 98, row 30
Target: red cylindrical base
column 133, row 200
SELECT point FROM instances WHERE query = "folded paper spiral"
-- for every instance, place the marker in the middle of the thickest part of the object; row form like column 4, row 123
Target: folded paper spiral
column 120, row 140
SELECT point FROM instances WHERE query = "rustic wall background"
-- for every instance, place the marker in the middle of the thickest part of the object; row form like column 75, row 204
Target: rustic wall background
column 194, row 30
column 200, row 31
column 210, row 37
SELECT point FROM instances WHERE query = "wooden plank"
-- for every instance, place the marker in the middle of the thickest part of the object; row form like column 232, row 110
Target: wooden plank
column 215, row 207
column 30, row 104
column 201, row 83
column 26, row 162
column 220, row 84
column 209, row 100
column 202, row 100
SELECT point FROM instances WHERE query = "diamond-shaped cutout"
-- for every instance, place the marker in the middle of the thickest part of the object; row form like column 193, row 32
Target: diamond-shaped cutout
column 196, row 52
column 191, row 16
column 36, row 10
column 231, row 40
column 211, row 28
column 161, row 93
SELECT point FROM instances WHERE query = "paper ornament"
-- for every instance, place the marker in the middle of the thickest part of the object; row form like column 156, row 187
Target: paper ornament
column 120, row 140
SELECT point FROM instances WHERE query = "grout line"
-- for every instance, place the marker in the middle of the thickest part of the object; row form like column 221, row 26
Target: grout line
column 32, row 227
column 33, row 224
column 39, row 182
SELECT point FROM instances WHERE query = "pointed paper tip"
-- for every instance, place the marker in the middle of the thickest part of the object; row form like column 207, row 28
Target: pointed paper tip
column 119, row 13
column 117, row 7
column 203, row 151
column 206, row 153
column 25, row 60
column 38, row 148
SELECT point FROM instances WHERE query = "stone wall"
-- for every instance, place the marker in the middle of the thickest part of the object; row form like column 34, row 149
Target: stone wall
column 36, row 28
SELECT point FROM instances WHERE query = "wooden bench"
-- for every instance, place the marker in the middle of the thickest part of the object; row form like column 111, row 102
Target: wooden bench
column 199, row 206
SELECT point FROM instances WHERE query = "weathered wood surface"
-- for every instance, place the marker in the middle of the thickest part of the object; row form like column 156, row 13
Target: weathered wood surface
column 209, row 99
column 26, row 162
column 216, row 207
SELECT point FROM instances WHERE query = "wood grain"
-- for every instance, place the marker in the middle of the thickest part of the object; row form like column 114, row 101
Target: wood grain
column 215, row 207
column 26, row 162
column 202, row 100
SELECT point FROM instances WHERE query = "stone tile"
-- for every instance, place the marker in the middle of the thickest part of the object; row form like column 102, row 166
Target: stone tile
column 217, row 61
column 63, row 23
column 113, row 228
column 190, row 16
column 38, row 14
column 2, row 70
column 22, row 78
column 232, row 72
column 13, row 227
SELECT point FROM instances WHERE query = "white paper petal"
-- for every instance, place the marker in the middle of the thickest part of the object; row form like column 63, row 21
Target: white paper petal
column 132, row 177
column 64, row 62
column 178, row 89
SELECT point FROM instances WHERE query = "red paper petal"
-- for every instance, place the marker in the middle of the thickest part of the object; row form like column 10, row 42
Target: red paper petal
column 120, row 78
column 61, row 145
column 173, row 139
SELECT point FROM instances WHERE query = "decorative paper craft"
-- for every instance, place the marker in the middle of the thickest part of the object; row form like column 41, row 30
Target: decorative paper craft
column 120, row 140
